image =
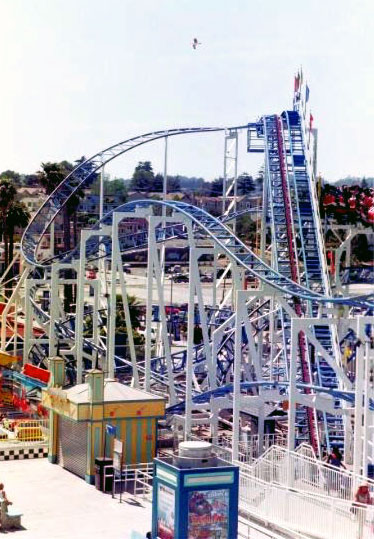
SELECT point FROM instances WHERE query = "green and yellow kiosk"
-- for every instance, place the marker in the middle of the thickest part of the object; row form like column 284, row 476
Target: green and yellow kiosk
column 79, row 417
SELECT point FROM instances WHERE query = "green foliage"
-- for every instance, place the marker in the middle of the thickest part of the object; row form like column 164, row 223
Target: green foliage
column 114, row 187
column 135, row 313
column 246, row 228
column 143, row 177
column 245, row 184
column 216, row 188
column 11, row 175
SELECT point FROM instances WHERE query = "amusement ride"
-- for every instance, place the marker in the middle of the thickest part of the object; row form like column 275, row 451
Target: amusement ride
column 271, row 357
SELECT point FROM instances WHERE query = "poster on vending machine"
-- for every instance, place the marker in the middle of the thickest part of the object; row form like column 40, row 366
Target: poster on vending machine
column 208, row 514
column 165, row 512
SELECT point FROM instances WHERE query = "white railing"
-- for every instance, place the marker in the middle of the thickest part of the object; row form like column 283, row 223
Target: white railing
column 317, row 516
column 143, row 482
column 307, row 474
column 250, row 449
column 304, row 450
column 135, row 479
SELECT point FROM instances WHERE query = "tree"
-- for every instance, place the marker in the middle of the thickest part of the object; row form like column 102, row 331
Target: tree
column 158, row 183
column 246, row 229
column 31, row 180
column 143, row 177
column 51, row 175
column 12, row 176
column 17, row 217
column 7, row 196
column 174, row 184
column 135, row 313
column 114, row 187
column 216, row 188
column 245, row 184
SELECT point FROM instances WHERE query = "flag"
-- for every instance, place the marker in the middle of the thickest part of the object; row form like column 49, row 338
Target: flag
column 306, row 93
column 311, row 120
column 111, row 430
column 297, row 83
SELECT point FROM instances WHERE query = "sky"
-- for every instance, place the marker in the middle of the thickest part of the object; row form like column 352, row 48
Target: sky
column 81, row 75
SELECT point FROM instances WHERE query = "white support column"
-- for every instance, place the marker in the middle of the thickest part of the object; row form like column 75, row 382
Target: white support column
column 52, row 239
column 95, row 312
column 359, row 408
column 261, row 429
column 237, row 379
column 81, row 282
column 161, row 302
column 367, row 413
column 112, row 311
column 11, row 302
column 292, row 392
column 53, row 309
column 149, row 301
column 117, row 266
column 28, row 320
column 190, row 346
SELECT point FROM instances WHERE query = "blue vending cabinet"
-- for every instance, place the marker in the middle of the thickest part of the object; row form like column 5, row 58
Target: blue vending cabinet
column 196, row 501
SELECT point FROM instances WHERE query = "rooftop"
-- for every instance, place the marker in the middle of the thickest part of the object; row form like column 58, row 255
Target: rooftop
column 113, row 392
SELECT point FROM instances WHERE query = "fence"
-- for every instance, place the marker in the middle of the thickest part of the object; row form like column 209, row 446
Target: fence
column 321, row 517
column 135, row 479
column 25, row 432
column 249, row 450
column 307, row 474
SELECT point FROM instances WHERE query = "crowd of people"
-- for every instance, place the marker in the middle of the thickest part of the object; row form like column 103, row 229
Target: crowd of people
column 350, row 203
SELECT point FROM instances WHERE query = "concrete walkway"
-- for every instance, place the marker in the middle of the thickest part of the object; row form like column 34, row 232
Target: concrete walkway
column 57, row 505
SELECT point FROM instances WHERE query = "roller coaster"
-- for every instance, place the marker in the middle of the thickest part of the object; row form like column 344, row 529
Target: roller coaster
column 273, row 343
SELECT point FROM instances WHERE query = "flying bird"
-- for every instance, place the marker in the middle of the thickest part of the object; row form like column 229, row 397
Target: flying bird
column 195, row 43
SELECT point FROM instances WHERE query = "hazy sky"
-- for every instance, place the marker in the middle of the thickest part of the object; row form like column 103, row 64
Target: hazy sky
column 80, row 75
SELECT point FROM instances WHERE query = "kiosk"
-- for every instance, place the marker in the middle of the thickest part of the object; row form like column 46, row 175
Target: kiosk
column 195, row 495
column 80, row 417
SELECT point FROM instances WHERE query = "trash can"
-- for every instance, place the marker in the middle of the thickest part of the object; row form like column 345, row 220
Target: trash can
column 101, row 465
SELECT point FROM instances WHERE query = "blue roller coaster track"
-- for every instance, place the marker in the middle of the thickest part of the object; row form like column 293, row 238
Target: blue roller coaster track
column 294, row 225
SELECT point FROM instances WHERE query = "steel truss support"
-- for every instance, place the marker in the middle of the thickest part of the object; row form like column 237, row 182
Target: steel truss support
column 363, row 452
column 230, row 174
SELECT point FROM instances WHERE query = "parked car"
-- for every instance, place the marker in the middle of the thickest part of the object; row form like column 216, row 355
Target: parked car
column 180, row 278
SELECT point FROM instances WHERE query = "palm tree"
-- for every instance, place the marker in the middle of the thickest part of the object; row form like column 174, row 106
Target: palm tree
column 7, row 196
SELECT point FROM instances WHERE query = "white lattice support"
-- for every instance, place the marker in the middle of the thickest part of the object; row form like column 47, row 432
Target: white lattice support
column 230, row 174
column 156, row 270
column 27, row 331
column 117, row 267
column 190, row 346
column 196, row 253
column 292, row 393
column 363, row 393
column 11, row 301
column 81, row 282
column 237, row 380
column 53, row 308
